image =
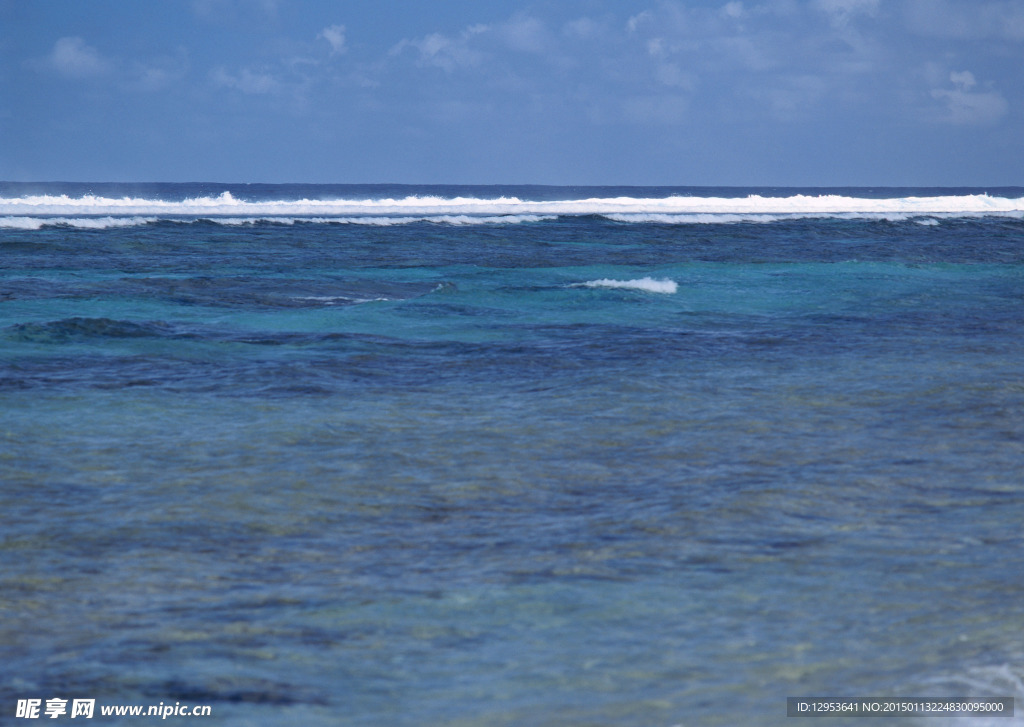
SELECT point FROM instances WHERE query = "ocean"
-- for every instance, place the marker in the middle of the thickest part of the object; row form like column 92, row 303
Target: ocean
column 510, row 455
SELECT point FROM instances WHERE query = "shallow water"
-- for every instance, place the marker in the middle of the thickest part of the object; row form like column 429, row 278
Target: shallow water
column 423, row 474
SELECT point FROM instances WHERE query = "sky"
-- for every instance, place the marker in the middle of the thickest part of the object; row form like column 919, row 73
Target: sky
column 632, row 92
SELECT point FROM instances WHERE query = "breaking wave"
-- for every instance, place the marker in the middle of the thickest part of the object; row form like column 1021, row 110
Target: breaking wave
column 649, row 285
column 465, row 210
column 106, row 222
column 927, row 219
column 382, row 220
column 88, row 223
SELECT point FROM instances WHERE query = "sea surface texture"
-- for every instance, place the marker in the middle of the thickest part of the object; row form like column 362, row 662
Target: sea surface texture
column 473, row 456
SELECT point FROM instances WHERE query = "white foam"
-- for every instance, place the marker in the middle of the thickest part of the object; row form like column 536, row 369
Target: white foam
column 373, row 221
column 330, row 299
column 649, row 285
column 91, row 223
column 689, row 218
column 720, row 218
column 323, row 298
column 36, row 223
column 453, row 210
column 439, row 219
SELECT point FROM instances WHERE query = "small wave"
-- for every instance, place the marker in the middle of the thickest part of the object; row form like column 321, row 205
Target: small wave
column 335, row 299
column 649, row 285
column 100, row 223
column 691, row 219
column 87, row 223
column 386, row 221
column 324, row 298
column 725, row 218
column 79, row 328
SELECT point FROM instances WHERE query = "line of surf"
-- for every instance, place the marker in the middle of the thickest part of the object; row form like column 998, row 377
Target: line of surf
column 89, row 223
column 926, row 218
column 646, row 284
column 108, row 221
column 226, row 205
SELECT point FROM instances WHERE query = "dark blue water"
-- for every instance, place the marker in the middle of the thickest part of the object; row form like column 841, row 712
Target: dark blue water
column 499, row 470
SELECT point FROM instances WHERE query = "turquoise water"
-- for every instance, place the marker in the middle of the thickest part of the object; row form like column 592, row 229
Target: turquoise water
column 441, row 473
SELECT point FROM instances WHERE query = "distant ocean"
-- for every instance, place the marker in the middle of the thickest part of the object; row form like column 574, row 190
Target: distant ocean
column 452, row 456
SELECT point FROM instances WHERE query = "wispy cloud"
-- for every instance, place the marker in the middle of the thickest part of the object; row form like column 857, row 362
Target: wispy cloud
column 526, row 34
column 247, row 81
column 963, row 105
column 335, row 37
column 158, row 73
column 675, row 61
column 443, row 51
column 71, row 57
column 521, row 34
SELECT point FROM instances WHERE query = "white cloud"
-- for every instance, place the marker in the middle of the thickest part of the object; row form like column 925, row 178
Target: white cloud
column 247, row 81
column 158, row 73
column 733, row 10
column 72, row 58
column 638, row 20
column 787, row 61
column 444, row 52
column 524, row 33
column 335, row 36
column 967, row 107
column 656, row 48
column 964, row 79
column 795, row 62
column 711, row 39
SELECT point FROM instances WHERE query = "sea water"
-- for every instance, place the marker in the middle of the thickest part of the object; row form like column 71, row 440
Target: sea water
column 389, row 455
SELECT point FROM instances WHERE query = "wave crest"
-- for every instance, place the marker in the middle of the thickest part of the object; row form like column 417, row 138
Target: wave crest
column 649, row 285
column 34, row 212
column 86, row 223
column 226, row 205
column 78, row 328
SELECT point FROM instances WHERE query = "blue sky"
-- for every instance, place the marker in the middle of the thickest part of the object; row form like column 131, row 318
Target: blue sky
column 723, row 92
